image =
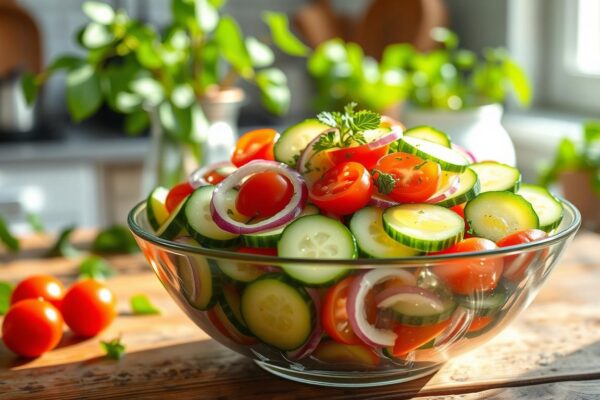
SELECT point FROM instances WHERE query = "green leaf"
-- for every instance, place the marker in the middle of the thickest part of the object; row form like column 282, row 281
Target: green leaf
column 114, row 348
column 260, row 54
column 396, row 56
column 150, row 89
column 176, row 121
column 126, row 102
column 67, row 62
column 148, row 56
column 35, row 221
column 206, row 15
column 114, row 240
column 445, row 36
column 218, row 4
column 84, row 95
column 183, row 96
column 95, row 267
column 465, row 59
column 327, row 141
column 519, row 82
column 591, row 132
column 6, row 290
column 385, row 182
column 95, row 36
column 233, row 49
column 102, row 13
column 63, row 247
column 275, row 93
column 365, row 120
column 136, row 122
column 29, row 87
column 141, row 305
column 6, row 238
column 282, row 36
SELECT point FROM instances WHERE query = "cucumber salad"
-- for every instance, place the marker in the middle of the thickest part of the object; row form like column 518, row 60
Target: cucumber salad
column 343, row 186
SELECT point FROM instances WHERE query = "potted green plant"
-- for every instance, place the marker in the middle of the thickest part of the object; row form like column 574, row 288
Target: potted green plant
column 182, row 82
column 576, row 167
column 460, row 93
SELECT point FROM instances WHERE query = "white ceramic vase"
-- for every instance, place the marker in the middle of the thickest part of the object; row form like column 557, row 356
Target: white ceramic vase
column 478, row 130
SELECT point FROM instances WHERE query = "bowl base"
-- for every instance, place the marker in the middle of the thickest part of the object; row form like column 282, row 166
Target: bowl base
column 346, row 379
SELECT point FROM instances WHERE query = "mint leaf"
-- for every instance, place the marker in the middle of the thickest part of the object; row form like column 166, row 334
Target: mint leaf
column 94, row 267
column 6, row 238
column 141, row 305
column 114, row 348
column 5, row 292
column 365, row 120
column 385, row 182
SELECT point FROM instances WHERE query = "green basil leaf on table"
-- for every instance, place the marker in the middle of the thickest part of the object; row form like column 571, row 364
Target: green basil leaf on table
column 113, row 240
column 6, row 290
column 114, row 348
column 7, row 238
column 141, row 305
column 62, row 247
column 95, row 267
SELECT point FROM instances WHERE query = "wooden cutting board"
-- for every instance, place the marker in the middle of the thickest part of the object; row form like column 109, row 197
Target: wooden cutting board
column 552, row 351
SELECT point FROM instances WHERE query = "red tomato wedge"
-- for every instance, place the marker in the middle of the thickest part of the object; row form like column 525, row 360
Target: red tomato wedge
column 343, row 189
column 470, row 275
column 360, row 154
column 177, row 194
column 416, row 180
column 334, row 314
column 254, row 145
column 412, row 337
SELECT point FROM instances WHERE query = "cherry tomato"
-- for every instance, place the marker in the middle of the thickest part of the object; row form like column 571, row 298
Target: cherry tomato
column 470, row 275
column 460, row 210
column 412, row 337
column 45, row 286
column 416, row 180
column 254, row 145
column 515, row 266
column 343, row 189
column 89, row 307
column 214, row 177
column 334, row 314
column 177, row 194
column 360, row 154
column 479, row 323
column 263, row 195
column 32, row 327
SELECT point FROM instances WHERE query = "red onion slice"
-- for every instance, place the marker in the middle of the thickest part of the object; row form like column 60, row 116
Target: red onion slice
column 196, row 178
column 319, row 163
column 357, row 313
column 414, row 295
column 218, row 206
column 382, row 202
column 386, row 138
column 315, row 337
column 466, row 153
column 444, row 192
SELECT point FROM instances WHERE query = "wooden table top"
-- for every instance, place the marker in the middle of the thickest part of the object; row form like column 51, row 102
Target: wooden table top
column 551, row 351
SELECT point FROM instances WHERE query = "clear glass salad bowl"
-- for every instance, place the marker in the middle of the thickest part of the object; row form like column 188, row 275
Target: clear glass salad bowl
column 398, row 319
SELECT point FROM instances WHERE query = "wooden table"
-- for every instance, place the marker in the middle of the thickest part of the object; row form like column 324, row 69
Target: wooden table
column 552, row 351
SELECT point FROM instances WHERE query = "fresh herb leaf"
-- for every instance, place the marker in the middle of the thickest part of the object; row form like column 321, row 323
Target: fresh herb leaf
column 94, row 267
column 385, row 182
column 5, row 292
column 365, row 120
column 115, row 239
column 331, row 119
column 114, row 348
column 294, row 161
column 326, row 141
column 63, row 247
column 141, row 305
column 7, row 238
column 35, row 222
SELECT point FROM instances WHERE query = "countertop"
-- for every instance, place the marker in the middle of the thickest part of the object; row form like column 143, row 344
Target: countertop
column 551, row 351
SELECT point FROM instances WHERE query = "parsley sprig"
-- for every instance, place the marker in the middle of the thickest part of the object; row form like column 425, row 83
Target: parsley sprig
column 350, row 126
column 385, row 182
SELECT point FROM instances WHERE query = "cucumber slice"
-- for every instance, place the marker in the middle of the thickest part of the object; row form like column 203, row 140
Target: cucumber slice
column 547, row 207
column 174, row 225
column 495, row 176
column 156, row 211
column 199, row 221
column 294, row 139
column 425, row 227
column 367, row 227
column 493, row 215
column 279, row 314
column 419, row 312
column 469, row 187
column 484, row 304
column 316, row 236
column 197, row 280
column 430, row 134
column 230, row 302
column 271, row 238
column 240, row 271
column 448, row 159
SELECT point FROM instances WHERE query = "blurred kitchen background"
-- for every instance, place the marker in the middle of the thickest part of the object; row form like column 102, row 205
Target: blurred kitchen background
column 90, row 173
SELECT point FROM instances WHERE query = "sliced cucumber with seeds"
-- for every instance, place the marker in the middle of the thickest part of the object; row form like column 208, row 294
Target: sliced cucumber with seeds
column 484, row 304
column 271, row 238
column 316, row 236
column 198, row 281
column 200, row 223
column 294, row 139
column 425, row 227
column 420, row 312
column 240, row 271
column 493, row 215
column 367, row 227
column 230, row 302
column 547, row 207
column 495, row 176
column 430, row 134
column 468, row 187
column 278, row 313
column 174, row 225
column 156, row 210
column 448, row 159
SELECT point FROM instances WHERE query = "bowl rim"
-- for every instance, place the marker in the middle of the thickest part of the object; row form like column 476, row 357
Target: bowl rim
column 176, row 247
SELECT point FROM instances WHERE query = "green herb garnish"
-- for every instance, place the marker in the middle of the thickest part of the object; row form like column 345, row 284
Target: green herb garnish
column 5, row 292
column 95, row 267
column 385, row 182
column 7, row 238
column 35, row 222
column 141, row 305
column 350, row 126
column 114, row 240
column 63, row 247
column 114, row 349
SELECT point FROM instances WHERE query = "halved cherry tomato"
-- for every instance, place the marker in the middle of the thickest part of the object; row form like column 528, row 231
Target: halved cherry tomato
column 39, row 286
column 343, row 189
column 254, row 145
column 177, row 194
column 412, row 337
column 360, row 154
column 479, row 323
column 263, row 195
column 415, row 179
column 470, row 275
column 460, row 210
column 89, row 307
column 334, row 314
column 32, row 327
column 515, row 267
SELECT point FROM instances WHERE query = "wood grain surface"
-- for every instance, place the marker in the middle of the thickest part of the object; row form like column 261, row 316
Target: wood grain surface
column 551, row 351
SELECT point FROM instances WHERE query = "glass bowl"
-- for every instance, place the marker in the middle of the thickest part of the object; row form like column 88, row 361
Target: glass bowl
column 247, row 303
